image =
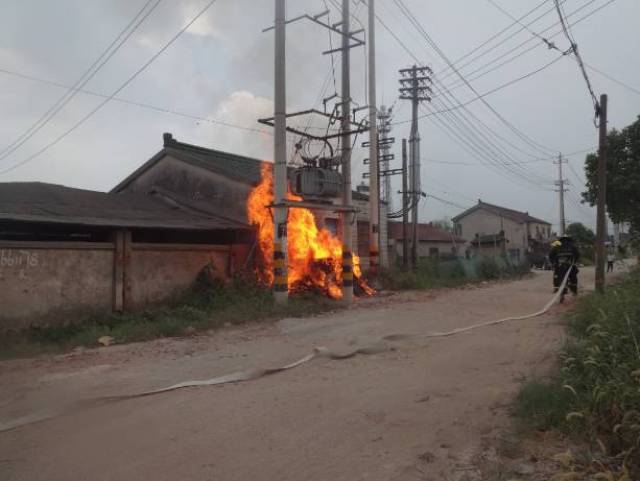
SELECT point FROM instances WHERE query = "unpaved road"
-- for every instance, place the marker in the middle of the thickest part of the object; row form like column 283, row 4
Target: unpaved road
column 425, row 411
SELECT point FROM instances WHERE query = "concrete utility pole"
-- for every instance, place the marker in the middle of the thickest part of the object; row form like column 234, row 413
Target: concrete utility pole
column 384, row 127
column 414, row 87
column 601, row 219
column 280, row 281
column 561, row 191
column 347, row 215
column 374, row 182
column 405, row 205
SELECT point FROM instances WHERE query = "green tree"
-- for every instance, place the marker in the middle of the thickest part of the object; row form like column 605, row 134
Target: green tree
column 444, row 224
column 581, row 233
column 584, row 237
column 623, row 177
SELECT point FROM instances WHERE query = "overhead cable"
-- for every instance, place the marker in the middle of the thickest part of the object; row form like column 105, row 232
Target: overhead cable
column 110, row 97
column 95, row 67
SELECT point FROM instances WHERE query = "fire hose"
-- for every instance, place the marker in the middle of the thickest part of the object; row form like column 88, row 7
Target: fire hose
column 256, row 373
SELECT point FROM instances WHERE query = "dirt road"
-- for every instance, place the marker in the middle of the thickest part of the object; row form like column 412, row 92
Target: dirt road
column 425, row 411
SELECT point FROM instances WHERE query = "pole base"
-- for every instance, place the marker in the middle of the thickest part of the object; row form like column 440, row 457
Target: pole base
column 281, row 297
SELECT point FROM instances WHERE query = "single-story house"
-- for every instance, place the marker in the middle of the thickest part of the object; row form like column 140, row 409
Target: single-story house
column 65, row 251
column 432, row 241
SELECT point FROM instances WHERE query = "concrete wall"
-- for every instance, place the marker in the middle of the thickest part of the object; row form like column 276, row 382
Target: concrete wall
column 40, row 285
column 49, row 283
column 427, row 249
column 160, row 271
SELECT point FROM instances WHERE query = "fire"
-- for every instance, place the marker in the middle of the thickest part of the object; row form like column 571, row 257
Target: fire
column 314, row 255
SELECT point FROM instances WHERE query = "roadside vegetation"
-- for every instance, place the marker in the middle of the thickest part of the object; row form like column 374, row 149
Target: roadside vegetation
column 595, row 396
column 208, row 305
column 434, row 273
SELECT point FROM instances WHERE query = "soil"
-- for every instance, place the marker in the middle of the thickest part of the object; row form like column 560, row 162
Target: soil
column 429, row 410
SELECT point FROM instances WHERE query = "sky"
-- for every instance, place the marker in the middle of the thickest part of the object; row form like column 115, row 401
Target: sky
column 212, row 83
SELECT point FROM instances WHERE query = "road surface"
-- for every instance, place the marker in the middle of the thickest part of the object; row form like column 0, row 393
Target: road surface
column 429, row 410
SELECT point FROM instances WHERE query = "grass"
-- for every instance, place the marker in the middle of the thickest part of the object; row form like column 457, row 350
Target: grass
column 206, row 307
column 595, row 394
column 433, row 274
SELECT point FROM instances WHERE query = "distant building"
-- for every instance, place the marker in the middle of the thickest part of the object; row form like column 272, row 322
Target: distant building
column 432, row 241
column 495, row 230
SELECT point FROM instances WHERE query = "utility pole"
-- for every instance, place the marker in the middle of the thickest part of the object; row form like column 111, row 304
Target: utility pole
column 414, row 83
column 561, row 190
column 374, row 182
column 280, row 278
column 601, row 220
column 347, row 215
column 405, row 206
column 384, row 127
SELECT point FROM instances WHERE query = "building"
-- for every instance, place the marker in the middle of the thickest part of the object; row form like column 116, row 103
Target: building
column 495, row 230
column 432, row 241
column 67, row 252
column 210, row 181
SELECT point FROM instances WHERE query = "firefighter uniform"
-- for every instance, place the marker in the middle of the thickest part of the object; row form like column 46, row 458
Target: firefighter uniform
column 564, row 255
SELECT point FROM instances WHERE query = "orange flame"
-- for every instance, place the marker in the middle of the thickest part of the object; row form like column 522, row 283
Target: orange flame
column 314, row 255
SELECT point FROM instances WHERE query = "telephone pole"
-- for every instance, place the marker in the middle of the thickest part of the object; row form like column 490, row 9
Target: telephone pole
column 405, row 207
column 374, row 167
column 601, row 219
column 561, row 190
column 414, row 86
column 280, row 279
column 345, row 124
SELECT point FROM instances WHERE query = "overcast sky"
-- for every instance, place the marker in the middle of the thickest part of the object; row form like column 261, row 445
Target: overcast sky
column 221, row 68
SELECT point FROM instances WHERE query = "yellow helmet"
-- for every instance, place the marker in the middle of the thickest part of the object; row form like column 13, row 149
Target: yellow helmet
column 556, row 243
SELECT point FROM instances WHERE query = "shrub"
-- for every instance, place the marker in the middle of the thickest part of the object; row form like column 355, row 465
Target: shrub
column 601, row 371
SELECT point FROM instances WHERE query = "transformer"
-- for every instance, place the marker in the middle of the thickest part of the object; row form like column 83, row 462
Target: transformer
column 316, row 182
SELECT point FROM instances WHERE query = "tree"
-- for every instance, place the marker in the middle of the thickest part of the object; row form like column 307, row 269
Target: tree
column 584, row 238
column 623, row 177
column 581, row 234
column 444, row 224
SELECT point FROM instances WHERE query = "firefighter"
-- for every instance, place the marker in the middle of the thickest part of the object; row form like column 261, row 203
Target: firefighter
column 564, row 255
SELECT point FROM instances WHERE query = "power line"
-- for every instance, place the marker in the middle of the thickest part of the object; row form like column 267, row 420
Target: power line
column 492, row 91
column 110, row 97
column 540, row 159
column 448, row 202
column 619, row 82
column 444, row 76
column 578, row 57
column 136, row 103
column 483, row 68
column 489, row 147
column 519, row 133
column 443, row 122
column 548, row 43
column 95, row 67
column 493, row 37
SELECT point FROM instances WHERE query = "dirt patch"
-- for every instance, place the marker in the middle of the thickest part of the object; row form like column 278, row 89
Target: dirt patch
column 424, row 411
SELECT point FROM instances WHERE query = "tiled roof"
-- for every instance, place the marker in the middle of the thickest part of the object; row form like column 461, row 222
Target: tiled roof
column 57, row 204
column 515, row 215
column 238, row 167
column 426, row 232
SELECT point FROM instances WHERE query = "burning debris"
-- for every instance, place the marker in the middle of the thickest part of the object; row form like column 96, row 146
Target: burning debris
column 314, row 255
